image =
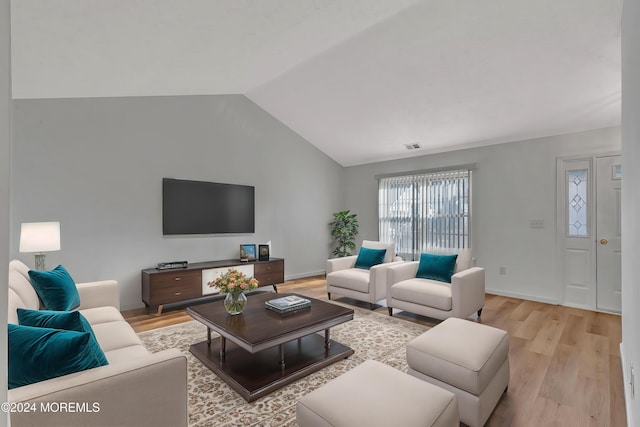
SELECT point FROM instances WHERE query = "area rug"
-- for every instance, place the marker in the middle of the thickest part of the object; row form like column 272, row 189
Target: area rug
column 213, row 403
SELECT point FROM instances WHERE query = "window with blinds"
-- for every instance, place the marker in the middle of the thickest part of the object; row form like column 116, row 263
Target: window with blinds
column 425, row 212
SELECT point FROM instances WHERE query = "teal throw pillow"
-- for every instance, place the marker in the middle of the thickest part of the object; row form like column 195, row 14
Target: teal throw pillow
column 367, row 258
column 67, row 320
column 436, row 267
column 38, row 354
column 56, row 289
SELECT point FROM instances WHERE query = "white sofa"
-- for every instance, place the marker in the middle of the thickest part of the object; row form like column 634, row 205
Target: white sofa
column 136, row 388
column 357, row 283
column 440, row 300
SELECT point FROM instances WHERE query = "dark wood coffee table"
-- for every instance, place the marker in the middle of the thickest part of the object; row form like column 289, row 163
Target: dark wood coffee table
column 260, row 351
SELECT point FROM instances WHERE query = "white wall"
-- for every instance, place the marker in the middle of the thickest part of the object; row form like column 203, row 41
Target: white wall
column 513, row 183
column 5, row 167
column 630, row 348
column 96, row 165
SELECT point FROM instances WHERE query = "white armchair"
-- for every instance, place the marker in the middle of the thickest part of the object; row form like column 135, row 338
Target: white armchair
column 357, row 283
column 461, row 298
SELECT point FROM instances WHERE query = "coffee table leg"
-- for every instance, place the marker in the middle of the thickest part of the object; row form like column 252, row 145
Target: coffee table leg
column 282, row 364
column 208, row 335
column 223, row 346
column 327, row 342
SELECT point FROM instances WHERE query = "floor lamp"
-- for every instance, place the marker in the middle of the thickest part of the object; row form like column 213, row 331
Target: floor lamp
column 40, row 237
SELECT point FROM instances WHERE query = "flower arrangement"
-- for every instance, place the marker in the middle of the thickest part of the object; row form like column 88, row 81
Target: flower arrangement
column 234, row 282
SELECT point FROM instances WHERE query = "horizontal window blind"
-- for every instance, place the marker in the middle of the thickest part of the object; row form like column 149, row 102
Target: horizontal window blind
column 427, row 212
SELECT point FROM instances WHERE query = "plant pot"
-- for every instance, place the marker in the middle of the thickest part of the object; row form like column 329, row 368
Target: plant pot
column 234, row 302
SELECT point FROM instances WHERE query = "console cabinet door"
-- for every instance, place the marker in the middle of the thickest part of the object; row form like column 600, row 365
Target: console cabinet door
column 269, row 273
column 210, row 274
column 173, row 287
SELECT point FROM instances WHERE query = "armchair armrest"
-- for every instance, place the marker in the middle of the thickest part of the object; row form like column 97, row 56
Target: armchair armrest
column 401, row 271
column 378, row 278
column 148, row 391
column 467, row 291
column 99, row 294
column 335, row 264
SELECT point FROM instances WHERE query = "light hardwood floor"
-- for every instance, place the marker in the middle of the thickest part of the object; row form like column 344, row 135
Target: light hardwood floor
column 565, row 362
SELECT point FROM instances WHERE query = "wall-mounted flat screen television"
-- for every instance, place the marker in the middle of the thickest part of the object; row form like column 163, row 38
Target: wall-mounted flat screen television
column 199, row 207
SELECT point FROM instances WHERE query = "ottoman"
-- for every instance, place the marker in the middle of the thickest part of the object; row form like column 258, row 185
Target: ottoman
column 469, row 359
column 374, row 394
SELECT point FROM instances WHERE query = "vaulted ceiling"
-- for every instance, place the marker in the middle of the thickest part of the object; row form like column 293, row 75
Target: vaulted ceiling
column 359, row 79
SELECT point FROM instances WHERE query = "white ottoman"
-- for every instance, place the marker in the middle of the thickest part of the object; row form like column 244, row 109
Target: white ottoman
column 469, row 359
column 374, row 394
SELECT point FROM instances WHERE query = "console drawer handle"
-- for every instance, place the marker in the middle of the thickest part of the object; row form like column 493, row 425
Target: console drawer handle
column 178, row 278
column 178, row 293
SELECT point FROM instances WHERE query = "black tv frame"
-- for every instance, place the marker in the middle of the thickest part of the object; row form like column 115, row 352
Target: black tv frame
column 202, row 207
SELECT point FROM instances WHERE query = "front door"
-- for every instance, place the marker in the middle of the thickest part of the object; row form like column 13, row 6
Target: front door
column 589, row 235
column 608, row 233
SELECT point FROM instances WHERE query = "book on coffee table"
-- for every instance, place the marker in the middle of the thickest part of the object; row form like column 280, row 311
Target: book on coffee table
column 288, row 304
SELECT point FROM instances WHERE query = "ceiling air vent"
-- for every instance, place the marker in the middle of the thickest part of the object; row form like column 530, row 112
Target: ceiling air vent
column 413, row 146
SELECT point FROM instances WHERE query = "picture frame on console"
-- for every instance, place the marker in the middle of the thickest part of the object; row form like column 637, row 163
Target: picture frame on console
column 263, row 253
column 248, row 252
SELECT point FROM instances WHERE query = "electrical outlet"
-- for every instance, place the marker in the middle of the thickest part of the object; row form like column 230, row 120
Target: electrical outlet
column 536, row 223
column 503, row 271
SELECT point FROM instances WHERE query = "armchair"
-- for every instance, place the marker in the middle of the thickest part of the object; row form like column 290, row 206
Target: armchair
column 358, row 283
column 461, row 298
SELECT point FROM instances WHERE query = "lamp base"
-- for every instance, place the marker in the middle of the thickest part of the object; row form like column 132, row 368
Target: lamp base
column 40, row 262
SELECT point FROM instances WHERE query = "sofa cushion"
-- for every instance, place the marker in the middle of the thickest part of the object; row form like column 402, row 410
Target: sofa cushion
column 67, row 320
column 37, row 354
column 390, row 247
column 356, row 279
column 436, row 267
column 367, row 258
column 56, row 288
column 430, row 293
column 115, row 335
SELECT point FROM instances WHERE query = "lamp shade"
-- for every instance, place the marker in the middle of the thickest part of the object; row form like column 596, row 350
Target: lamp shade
column 40, row 237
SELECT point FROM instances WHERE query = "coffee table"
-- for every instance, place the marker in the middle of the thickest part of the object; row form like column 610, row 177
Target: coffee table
column 260, row 351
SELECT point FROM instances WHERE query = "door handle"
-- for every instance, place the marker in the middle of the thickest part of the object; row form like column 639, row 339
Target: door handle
column 603, row 241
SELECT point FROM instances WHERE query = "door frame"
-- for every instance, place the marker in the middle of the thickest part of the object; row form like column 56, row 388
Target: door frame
column 561, row 226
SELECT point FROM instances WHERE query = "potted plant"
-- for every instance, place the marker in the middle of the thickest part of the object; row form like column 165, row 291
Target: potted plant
column 344, row 229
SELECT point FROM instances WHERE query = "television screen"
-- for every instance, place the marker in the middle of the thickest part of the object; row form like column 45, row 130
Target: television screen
column 198, row 207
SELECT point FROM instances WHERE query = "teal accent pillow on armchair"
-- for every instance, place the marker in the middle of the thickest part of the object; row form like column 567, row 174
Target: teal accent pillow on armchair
column 67, row 320
column 38, row 354
column 436, row 267
column 56, row 288
column 367, row 258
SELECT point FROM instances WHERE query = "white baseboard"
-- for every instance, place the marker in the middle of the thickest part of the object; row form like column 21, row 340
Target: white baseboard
column 521, row 296
column 626, row 380
column 303, row 275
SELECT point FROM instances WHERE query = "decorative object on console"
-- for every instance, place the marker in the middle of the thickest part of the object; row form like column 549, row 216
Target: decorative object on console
column 344, row 229
column 263, row 252
column 172, row 264
column 247, row 252
column 40, row 237
column 234, row 284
